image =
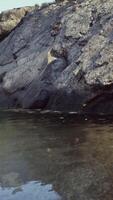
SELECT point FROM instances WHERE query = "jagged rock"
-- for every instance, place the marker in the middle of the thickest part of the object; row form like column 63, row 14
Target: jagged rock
column 70, row 70
column 9, row 19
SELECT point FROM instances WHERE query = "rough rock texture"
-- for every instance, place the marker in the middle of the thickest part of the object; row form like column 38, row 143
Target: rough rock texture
column 9, row 19
column 60, row 58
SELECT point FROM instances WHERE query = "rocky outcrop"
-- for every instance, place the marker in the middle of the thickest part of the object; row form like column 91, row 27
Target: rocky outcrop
column 9, row 19
column 60, row 58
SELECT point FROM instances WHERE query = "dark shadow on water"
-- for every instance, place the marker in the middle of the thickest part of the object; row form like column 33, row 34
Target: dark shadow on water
column 54, row 157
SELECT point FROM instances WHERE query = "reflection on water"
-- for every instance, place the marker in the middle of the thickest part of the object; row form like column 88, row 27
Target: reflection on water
column 29, row 191
column 55, row 158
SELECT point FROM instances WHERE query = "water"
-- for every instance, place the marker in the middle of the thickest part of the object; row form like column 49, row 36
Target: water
column 53, row 157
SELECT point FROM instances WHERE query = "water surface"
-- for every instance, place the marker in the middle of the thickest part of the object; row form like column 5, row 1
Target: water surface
column 54, row 157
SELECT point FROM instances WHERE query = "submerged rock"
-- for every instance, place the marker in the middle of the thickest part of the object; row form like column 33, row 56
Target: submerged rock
column 60, row 58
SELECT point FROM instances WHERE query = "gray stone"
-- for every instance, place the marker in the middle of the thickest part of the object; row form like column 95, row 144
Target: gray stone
column 70, row 70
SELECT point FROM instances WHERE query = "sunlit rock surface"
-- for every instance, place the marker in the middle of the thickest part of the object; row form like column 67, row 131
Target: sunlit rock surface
column 60, row 57
column 9, row 19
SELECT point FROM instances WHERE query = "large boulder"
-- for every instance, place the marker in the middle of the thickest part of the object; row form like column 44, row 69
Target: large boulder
column 60, row 57
column 9, row 19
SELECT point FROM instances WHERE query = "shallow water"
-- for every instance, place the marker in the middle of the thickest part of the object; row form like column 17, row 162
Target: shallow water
column 54, row 157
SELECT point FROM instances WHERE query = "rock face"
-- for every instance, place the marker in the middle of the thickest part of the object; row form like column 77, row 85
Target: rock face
column 9, row 19
column 60, row 57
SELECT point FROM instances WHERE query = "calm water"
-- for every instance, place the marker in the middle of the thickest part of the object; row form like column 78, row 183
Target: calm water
column 55, row 157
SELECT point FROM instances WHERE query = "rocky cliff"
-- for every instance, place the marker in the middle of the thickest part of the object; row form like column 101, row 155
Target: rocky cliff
column 9, row 19
column 60, row 57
